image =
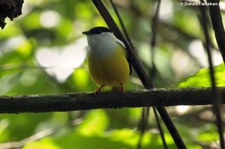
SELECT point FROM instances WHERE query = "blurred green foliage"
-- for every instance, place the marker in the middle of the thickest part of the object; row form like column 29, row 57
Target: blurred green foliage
column 43, row 52
column 202, row 78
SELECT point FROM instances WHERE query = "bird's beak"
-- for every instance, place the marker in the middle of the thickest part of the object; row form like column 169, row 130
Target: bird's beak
column 85, row 32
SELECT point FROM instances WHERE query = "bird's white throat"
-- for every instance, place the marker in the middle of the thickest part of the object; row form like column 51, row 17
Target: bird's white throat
column 103, row 44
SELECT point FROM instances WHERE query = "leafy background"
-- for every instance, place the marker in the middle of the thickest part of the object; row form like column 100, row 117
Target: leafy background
column 43, row 52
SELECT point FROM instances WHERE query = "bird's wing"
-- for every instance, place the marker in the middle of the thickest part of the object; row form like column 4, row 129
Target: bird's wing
column 124, row 49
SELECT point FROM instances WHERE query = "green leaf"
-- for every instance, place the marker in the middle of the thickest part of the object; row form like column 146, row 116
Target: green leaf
column 202, row 78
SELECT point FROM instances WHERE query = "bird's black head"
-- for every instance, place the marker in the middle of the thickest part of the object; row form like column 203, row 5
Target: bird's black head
column 97, row 30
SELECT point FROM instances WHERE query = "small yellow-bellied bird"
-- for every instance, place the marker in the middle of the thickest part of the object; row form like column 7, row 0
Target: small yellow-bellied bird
column 107, row 59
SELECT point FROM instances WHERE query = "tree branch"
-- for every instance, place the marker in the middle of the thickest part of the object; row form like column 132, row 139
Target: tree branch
column 87, row 101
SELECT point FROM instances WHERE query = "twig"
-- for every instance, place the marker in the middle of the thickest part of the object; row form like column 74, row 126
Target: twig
column 38, row 136
column 139, row 70
column 153, row 70
column 216, row 106
column 145, row 110
column 153, row 39
column 217, row 24
column 142, row 126
column 122, row 24
column 144, row 116
column 87, row 101
column 160, row 129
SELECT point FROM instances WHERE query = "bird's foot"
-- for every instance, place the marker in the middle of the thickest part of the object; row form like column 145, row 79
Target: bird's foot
column 99, row 89
column 121, row 89
column 118, row 88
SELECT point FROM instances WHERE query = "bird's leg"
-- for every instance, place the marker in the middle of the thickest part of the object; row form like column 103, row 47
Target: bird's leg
column 99, row 89
column 121, row 88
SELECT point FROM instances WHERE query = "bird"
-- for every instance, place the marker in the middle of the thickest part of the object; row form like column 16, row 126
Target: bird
column 107, row 59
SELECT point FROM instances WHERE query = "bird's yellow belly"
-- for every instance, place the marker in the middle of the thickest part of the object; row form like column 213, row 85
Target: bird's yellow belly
column 112, row 70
